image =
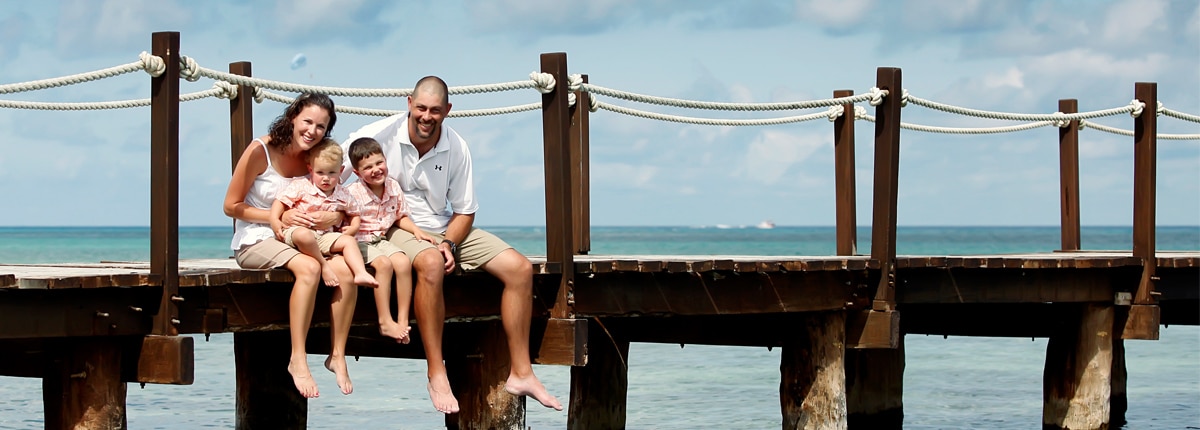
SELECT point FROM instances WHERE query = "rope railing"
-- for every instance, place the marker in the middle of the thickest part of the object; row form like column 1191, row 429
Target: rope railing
column 225, row 86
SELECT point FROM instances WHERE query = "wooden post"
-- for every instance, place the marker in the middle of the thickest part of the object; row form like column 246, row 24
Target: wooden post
column 266, row 396
column 581, row 173
column 1143, row 319
column 164, row 181
column 1118, row 401
column 812, row 391
column 478, row 378
column 1076, row 384
column 82, row 387
column 1068, row 176
column 556, row 127
column 241, row 115
column 843, row 166
column 875, row 388
column 599, row 389
column 887, row 167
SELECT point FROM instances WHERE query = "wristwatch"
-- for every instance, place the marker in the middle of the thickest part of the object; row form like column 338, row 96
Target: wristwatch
column 453, row 246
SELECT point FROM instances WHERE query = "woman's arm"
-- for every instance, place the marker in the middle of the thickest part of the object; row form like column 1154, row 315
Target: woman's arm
column 252, row 163
column 277, row 209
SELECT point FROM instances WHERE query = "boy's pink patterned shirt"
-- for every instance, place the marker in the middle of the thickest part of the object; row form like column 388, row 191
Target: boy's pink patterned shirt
column 376, row 214
column 302, row 195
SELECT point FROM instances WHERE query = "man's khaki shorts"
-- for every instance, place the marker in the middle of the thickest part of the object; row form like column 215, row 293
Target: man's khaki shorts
column 476, row 250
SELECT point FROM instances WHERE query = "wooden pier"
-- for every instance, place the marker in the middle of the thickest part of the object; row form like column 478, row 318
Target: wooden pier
column 88, row 329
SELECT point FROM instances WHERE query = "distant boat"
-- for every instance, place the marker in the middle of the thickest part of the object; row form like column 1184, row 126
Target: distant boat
column 766, row 224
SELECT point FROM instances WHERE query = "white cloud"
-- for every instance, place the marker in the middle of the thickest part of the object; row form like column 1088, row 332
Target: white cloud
column 772, row 153
column 622, row 174
column 1128, row 22
column 1012, row 77
column 85, row 26
column 834, row 13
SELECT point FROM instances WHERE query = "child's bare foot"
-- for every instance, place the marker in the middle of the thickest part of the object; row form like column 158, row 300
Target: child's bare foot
column 303, row 379
column 532, row 387
column 443, row 398
column 395, row 331
column 365, row 279
column 338, row 367
column 330, row 277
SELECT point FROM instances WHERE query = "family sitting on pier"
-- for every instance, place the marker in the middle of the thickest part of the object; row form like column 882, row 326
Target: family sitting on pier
column 410, row 211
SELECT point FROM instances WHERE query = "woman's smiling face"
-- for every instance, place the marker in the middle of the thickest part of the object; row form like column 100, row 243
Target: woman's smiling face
column 309, row 126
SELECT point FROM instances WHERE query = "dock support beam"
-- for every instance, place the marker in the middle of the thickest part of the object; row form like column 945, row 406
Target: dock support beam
column 875, row 388
column 82, row 387
column 599, row 390
column 478, row 379
column 266, row 396
column 1077, row 381
column 812, row 391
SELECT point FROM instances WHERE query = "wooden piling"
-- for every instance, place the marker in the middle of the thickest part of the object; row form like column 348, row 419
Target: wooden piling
column 82, row 386
column 164, row 181
column 1144, row 315
column 1118, row 401
column 1076, row 384
column 812, row 390
column 266, row 396
column 1068, row 177
column 241, row 115
column 581, row 172
column 478, row 378
column 875, row 388
column 599, row 389
column 843, row 166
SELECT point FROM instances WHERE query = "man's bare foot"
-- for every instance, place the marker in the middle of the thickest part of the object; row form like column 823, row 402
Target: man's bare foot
column 365, row 279
column 395, row 331
column 329, row 276
column 443, row 398
column 338, row 367
column 303, row 379
column 532, row 387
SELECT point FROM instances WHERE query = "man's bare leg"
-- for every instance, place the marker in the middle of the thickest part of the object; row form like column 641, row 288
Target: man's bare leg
column 516, row 308
column 300, row 309
column 431, row 315
column 341, row 317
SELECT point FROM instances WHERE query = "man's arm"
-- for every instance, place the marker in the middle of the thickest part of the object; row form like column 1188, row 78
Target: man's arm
column 456, row 231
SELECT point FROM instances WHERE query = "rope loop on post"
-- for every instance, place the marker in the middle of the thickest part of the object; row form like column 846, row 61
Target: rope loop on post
column 152, row 64
column 904, row 99
column 1138, row 106
column 544, row 82
column 228, row 91
column 877, row 96
column 189, row 69
column 835, row 112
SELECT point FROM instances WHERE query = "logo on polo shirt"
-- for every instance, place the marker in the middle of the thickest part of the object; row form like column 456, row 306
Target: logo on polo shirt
column 437, row 167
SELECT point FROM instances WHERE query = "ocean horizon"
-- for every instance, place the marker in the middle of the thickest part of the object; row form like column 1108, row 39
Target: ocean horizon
column 949, row 383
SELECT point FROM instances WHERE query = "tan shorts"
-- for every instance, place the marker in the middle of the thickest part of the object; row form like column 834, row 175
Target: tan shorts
column 267, row 254
column 377, row 248
column 476, row 250
column 325, row 240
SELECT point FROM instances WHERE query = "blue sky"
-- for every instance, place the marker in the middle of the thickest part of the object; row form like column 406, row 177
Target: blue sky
column 92, row 168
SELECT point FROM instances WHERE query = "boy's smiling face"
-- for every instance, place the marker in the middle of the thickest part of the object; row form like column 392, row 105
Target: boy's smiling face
column 372, row 170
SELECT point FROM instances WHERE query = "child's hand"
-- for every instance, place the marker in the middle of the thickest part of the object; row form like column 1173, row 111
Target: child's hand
column 420, row 235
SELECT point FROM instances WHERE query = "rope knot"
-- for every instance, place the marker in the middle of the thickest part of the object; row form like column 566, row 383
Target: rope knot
column 574, row 81
column 1138, row 106
column 545, row 82
column 188, row 69
column 1159, row 110
column 860, row 112
column 904, row 99
column 152, row 64
column 835, row 112
column 259, row 95
column 1061, row 123
column 228, row 91
column 877, row 96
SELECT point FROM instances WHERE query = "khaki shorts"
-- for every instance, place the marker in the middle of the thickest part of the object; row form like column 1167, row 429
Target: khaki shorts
column 268, row 254
column 377, row 248
column 325, row 240
column 476, row 250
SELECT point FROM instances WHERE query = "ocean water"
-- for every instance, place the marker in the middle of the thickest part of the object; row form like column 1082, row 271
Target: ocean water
column 949, row 383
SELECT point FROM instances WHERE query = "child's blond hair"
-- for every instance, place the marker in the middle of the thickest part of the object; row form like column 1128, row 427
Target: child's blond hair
column 326, row 150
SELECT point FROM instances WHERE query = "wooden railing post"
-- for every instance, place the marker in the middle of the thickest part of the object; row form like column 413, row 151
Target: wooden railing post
column 843, row 166
column 1143, row 319
column 580, row 173
column 241, row 115
column 164, row 181
column 887, row 166
column 1068, row 177
column 556, row 128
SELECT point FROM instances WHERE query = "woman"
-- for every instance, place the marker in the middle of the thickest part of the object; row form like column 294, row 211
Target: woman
column 264, row 168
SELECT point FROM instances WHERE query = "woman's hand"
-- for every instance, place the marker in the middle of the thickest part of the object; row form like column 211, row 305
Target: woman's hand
column 292, row 218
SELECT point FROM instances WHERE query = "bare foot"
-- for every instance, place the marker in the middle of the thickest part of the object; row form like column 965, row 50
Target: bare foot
column 303, row 379
column 330, row 277
column 532, row 387
column 395, row 331
column 365, row 279
column 443, row 398
column 338, row 367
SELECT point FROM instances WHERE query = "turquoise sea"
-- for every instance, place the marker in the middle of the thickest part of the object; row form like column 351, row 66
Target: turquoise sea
column 949, row 383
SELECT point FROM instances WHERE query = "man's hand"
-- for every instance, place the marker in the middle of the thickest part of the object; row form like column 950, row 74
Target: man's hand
column 449, row 256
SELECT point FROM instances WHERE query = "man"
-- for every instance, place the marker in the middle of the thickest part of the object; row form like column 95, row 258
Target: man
column 433, row 165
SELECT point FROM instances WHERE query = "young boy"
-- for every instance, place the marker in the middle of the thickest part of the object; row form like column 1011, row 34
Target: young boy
column 378, row 201
column 319, row 191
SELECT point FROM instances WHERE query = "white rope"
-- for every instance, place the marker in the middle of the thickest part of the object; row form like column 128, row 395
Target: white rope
column 1134, row 106
column 149, row 63
column 1123, row 132
column 1177, row 114
column 965, row 130
column 709, row 121
column 389, row 112
column 665, row 101
column 119, row 104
